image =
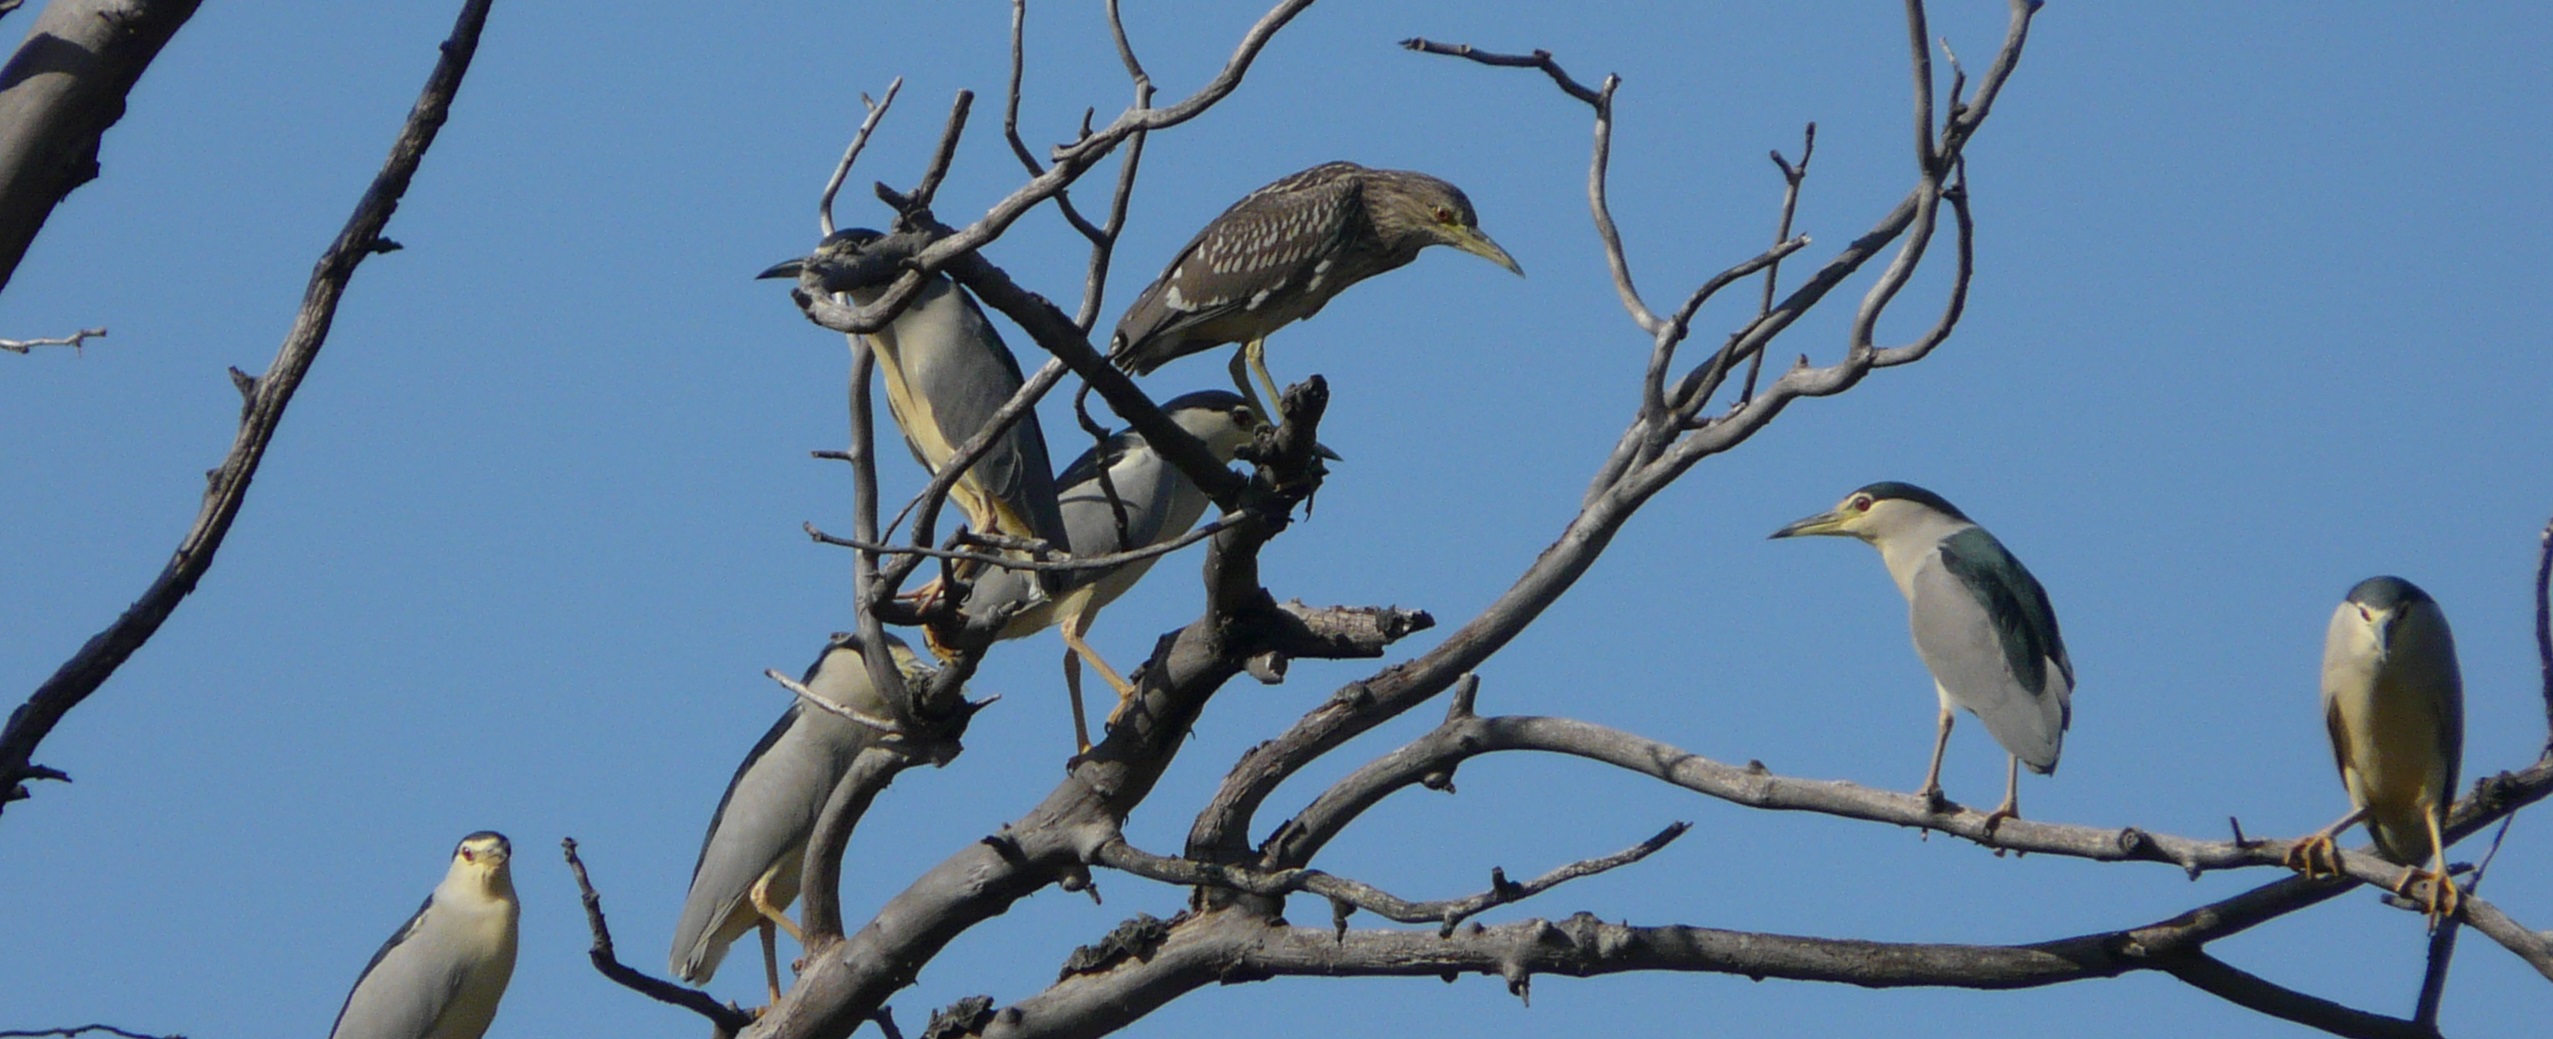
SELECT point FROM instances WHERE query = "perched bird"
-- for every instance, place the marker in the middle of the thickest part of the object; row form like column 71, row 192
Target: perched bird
column 1153, row 502
column 750, row 859
column 946, row 373
column 441, row 975
column 1981, row 622
column 2393, row 700
column 1280, row 253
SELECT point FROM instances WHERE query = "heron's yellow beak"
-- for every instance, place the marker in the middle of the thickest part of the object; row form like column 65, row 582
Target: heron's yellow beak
column 1824, row 523
column 1470, row 240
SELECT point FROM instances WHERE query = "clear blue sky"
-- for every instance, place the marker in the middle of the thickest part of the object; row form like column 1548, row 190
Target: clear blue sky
column 2259, row 313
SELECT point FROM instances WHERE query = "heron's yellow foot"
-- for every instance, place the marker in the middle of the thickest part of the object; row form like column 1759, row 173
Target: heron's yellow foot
column 2315, row 856
column 2006, row 810
column 1125, row 697
column 2444, row 898
column 1933, row 800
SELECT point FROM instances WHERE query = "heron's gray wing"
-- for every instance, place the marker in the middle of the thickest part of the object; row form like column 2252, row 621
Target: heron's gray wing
column 2017, row 604
column 1085, row 467
column 2429, row 659
column 1992, row 652
column 967, row 384
column 1237, row 261
column 763, row 818
column 1132, row 509
column 402, row 990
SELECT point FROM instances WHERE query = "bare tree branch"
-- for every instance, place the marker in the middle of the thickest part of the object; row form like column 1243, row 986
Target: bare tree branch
column 1066, row 564
column 1227, row 946
column 1010, row 123
column 1069, row 163
column 63, row 88
column 1792, row 176
column 859, row 141
column 266, row 395
column 1540, row 59
column 20, row 346
column 845, row 980
column 1344, row 893
column 75, row 1029
column 2535, row 947
column 2544, row 628
column 727, row 1018
column 938, row 170
column 2241, row 988
column 1464, row 735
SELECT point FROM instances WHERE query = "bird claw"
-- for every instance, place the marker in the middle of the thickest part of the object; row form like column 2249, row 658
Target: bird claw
column 1933, row 800
column 2444, row 900
column 2004, row 811
column 2314, row 857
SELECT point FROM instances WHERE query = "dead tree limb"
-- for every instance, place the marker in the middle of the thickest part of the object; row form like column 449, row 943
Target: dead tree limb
column 58, row 95
column 266, row 396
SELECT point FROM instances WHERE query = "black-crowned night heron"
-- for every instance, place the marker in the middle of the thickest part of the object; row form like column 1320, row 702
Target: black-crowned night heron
column 2393, row 700
column 1154, row 503
column 1280, row 253
column 946, row 373
column 751, row 858
column 1982, row 624
column 441, row 975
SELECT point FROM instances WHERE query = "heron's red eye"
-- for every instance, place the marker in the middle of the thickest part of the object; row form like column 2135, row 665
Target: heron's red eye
column 1861, row 503
column 1444, row 215
column 2366, row 616
column 469, row 856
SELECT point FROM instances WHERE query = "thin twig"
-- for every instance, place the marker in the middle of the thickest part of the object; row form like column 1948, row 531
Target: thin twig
column 1446, row 913
column 1067, row 564
column 1602, row 101
column 1792, row 176
column 967, row 454
column 2245, row 989
column 2535, row 947
column 866, row 589
column 938, row 171
column 2544, row 628
column 1540, row 59
column 268, row 395
column 20, row 346
column 727, row 1018
column 2433, row 982
column 808, row 696
column 859, row 140
column 1010, row 122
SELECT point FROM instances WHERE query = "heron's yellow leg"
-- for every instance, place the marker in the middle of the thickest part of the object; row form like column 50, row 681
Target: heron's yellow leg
column 1074, row 628
column 1072, row 685
column 770, row 961
column 2443, row 896
column 2317, row 856
column 1931, row 790
column 761, row 899
column 1244, row 361
column 2011, row 806
column 1257, row 351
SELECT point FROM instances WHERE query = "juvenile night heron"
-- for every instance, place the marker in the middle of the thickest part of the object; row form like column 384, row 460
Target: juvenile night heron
column 441, row 975
column 1982, row 624
column 2393, row 700
column 1156, row 503
column 946, row 373
column 1281, row 253
column 750, row 859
